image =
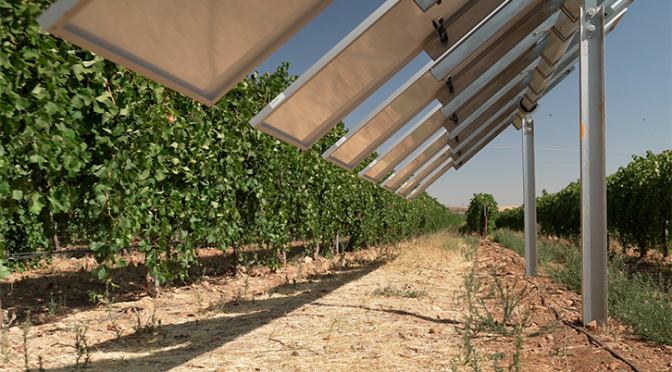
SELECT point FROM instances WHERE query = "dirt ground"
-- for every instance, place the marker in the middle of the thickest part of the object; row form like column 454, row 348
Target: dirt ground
column 394, row 308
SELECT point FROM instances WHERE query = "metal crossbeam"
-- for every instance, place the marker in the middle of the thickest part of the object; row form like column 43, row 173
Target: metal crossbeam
column 419, row 91
column 424, row 172
column 493, row 103
column 510, row 14
column 404, row 146
column 506, row 111
column 360, row 64
column 564, row 42
column 410, row 166
column 424, row 185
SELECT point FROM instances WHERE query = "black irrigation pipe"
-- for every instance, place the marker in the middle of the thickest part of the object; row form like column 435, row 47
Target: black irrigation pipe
column 28, row 255
column 19, row 256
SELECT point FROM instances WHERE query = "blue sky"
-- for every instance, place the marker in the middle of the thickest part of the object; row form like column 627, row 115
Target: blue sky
column 639, row 103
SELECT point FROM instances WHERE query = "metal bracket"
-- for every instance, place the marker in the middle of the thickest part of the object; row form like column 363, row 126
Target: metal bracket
column 457, row 139
column 591, row 29
column 426, row 4
column 525, row 111
column 459, row 152
column 443, row 34
column 454, row 118
column 449, row 82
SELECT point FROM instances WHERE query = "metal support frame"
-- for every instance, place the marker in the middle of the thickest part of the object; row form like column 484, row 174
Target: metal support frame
column 593, row 164
column 529, row 192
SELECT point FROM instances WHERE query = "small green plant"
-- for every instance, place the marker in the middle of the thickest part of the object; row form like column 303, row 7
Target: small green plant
column 113, row 320
column 25, row 328
column 406, row 292
column 56, row 305
column 636, row 299
column 469, row 248
column 508, row 300
column 4, row 342
column 150, row 326
column 96, row 298
column 520, row 338
column 241, row 295
column 218, row 306
column 496, row 357
column 81, row 345
column 199, row 301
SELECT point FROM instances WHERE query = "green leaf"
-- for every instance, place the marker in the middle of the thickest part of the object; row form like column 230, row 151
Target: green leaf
column 36, row 204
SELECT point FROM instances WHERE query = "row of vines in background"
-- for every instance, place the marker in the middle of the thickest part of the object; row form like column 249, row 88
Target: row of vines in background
column 639, row 206
column 90, row 151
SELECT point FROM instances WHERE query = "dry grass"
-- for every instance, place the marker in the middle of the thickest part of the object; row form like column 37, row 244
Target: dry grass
column 313, row 316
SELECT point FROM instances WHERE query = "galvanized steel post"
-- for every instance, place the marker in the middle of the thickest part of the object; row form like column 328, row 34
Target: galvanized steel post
column 593, row 168
column 529, row 192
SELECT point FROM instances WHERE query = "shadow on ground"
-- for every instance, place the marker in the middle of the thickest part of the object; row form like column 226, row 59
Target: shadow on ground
column 397, row 312
column 72, row 288
column 192, row 339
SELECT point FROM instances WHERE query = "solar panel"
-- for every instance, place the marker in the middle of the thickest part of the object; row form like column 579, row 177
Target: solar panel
column 568, row 45
column 412, row 97
column 424, row 172
column 471, row 148
column 475, row 132
column 507, row 113
column 461, row 160
column 423, row 186
column 514, row 13
column 493, row 103
column 404, row 146
column 362, row 62
column 199, row 48
column 433, row 147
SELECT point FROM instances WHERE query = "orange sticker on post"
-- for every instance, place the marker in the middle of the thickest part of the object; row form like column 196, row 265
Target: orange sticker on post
column 581, row 130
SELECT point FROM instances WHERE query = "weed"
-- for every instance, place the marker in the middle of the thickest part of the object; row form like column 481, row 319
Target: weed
column 4, row 346
column 637, row 300
column 471, row 356
column 25, row 327
column 520, row 338
column 469, row 248
column 96, row 298
column 218, row 306
column 150, row 326
column 81, row 345
column 406, row 292
column 508, row 300
column 641, row 303
column 113, row 321
column 241, row 295
column 199, row 301
column 56, row 305
column 496, row 357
